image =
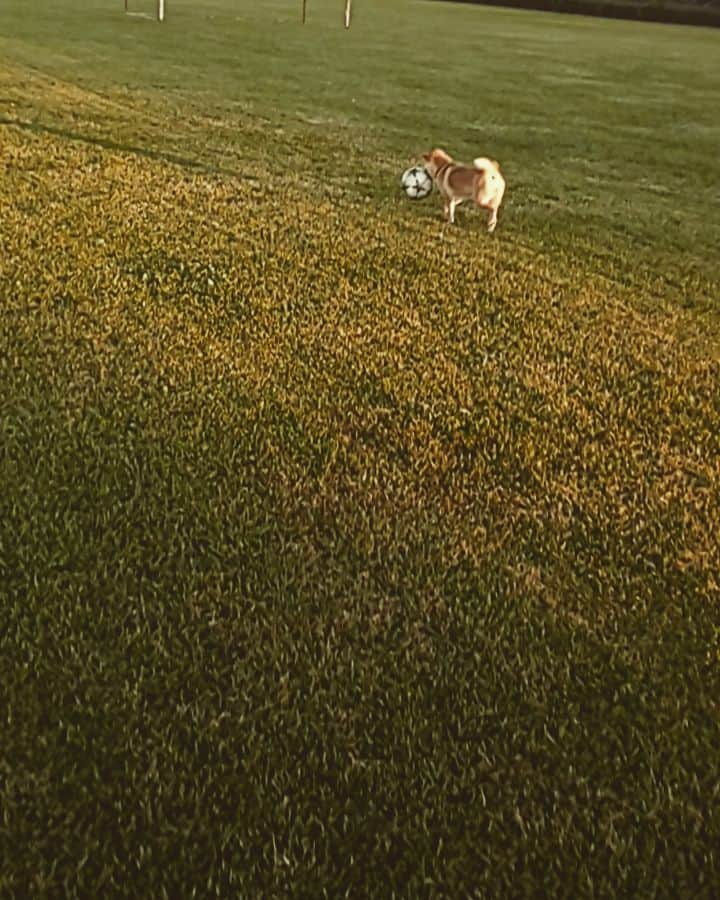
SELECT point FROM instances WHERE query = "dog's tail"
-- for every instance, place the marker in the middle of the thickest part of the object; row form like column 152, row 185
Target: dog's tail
column 483, row 163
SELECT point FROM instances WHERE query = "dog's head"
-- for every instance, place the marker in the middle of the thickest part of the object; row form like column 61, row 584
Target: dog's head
column 435, row 159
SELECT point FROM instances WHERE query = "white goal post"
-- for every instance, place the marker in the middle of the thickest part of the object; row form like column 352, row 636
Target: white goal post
column 160, row 6
column 348, row 12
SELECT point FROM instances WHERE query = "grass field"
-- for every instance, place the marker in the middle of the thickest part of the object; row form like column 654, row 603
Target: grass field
column 342, row 554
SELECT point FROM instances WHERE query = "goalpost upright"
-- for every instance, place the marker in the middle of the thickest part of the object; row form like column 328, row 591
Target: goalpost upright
column 348, row 12
column 160, row 6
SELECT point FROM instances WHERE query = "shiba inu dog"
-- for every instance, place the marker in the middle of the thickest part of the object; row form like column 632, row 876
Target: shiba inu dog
column 481, row 182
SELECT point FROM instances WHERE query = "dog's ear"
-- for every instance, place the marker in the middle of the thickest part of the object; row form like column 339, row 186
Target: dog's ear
column 496, row 164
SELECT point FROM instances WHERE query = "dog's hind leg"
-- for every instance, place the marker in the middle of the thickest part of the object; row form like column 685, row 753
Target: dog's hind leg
column 492, row 221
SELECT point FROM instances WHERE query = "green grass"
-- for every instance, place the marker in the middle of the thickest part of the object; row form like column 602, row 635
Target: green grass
column 342, row 554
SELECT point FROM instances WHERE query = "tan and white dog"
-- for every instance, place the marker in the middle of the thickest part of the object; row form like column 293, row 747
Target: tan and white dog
column 481, row 182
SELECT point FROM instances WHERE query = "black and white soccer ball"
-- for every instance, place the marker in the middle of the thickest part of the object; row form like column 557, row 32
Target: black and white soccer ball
column 416, row 182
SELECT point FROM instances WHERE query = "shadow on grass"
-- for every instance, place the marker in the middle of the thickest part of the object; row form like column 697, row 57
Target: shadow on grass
column 120, row 147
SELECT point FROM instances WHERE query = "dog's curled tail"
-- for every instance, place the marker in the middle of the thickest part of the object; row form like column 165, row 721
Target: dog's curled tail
column 483, row 163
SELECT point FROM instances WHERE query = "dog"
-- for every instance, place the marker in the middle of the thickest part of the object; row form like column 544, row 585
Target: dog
column 482, row 182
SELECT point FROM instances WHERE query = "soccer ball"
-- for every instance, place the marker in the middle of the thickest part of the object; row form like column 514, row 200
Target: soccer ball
column 416, row 182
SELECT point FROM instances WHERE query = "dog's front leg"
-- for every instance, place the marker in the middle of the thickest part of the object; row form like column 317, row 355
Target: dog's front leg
column 492, row 221
column 451, row 207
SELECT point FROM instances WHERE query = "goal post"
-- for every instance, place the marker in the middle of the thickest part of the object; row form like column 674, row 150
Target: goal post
column 347, row 15
column 160, row 10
